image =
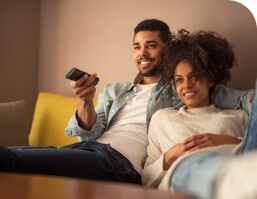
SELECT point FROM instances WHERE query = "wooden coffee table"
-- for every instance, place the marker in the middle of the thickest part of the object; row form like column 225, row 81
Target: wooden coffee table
column 28, row 186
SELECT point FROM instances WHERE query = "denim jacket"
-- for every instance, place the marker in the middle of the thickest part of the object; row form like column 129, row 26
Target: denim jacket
column 116, row 95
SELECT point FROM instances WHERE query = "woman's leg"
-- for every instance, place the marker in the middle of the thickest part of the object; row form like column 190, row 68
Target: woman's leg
column 197, row 173
column 250, row 139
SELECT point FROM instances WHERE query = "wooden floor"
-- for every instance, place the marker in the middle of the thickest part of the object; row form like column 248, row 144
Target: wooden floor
column 27, row 186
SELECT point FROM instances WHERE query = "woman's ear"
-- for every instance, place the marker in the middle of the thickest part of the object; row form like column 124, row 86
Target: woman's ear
column 211, row 83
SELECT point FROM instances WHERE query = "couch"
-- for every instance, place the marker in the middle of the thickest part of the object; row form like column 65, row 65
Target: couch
column 51, row 116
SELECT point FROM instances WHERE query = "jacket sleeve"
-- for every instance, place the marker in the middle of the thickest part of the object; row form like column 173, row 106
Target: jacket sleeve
column 74, row 129
column 153, row 172
column 227, row 98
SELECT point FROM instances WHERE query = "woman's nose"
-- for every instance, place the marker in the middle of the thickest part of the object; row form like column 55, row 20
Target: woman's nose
column 189, row 83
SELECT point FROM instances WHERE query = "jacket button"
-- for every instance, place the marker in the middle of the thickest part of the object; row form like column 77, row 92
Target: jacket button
column 107, row 103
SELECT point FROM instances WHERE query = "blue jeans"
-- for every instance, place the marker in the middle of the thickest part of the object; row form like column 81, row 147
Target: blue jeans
column 197, row 173
column 87, row 159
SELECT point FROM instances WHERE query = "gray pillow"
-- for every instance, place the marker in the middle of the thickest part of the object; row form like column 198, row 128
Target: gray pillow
column 14, row 124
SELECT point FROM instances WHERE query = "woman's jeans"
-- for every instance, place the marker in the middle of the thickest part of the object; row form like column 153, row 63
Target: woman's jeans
column 87, row 159
column 197, row 173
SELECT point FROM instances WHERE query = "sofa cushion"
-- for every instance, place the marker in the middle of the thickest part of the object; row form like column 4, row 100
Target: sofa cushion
column 51, row 117
column 14, row 124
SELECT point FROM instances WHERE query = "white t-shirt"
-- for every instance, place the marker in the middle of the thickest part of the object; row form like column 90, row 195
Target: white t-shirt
column 128, row 133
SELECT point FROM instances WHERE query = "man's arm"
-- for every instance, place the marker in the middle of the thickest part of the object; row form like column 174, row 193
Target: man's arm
column 85, row 91
column 227, row 98
column 85, row 123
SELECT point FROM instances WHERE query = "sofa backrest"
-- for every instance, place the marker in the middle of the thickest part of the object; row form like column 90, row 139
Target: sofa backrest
column 51, row 117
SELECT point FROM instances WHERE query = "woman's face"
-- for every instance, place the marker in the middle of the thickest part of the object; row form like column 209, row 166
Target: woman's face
column 192, row 88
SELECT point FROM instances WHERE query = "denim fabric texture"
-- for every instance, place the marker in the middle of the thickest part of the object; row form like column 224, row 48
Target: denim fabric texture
column 196, row 174
column 250, row 141
column 88, row 159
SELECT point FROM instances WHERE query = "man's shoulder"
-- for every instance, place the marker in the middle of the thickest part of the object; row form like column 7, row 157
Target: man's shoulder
column 115, row 89
column 118, row 85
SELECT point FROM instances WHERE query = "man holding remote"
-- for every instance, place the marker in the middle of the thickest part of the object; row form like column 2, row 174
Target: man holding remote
column 114, row 135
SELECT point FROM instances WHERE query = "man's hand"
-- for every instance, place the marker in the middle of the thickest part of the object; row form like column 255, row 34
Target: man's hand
column 85, row 91
column 207, row 140
column 250, row 99
column 83, row 88
column 171, row 155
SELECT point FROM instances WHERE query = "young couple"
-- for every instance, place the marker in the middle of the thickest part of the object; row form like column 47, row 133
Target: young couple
column 113, row 137
column 183, row 151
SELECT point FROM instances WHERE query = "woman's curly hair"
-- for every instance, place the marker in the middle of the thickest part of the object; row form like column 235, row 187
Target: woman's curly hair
column 207, row 52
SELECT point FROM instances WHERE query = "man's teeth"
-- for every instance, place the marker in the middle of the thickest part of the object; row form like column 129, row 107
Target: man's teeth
column 145, row 62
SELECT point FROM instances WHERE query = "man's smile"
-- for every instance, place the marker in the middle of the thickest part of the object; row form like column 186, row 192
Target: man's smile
column 145, row 61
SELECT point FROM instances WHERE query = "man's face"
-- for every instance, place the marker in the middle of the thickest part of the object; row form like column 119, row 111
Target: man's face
column 147, row 52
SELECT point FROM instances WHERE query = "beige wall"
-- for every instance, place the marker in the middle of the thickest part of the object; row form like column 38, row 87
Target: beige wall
column 19, row 47
column 96, row 36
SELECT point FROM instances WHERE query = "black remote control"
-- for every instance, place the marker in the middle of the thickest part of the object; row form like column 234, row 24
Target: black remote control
column 76, row 74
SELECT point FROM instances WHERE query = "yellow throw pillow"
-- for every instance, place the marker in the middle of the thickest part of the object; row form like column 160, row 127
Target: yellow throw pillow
column 51, row 117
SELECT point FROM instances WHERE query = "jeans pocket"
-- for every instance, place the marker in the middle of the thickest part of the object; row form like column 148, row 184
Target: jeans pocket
column 119, row 159
column 123, row 167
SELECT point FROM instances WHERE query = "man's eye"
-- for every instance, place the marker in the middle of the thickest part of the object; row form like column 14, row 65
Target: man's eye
column 136, row 47
column 151, row 46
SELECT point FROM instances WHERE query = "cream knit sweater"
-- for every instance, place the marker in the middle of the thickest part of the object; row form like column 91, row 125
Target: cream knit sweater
column 169, row 127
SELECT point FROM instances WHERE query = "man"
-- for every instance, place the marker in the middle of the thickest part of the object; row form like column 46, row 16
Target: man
column 122, row 106
column 114, row 136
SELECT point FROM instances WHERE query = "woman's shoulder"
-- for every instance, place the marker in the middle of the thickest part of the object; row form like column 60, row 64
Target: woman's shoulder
column 164, row 113
column 238, row 112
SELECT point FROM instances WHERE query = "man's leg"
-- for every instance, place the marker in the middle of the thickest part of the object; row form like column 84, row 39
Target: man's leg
column 250, row 139
column 89, row 160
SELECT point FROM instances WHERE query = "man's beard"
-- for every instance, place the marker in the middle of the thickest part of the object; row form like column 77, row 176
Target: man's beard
column 149, row 73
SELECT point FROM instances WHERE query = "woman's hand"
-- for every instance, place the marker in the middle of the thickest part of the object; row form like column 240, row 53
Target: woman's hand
column 171, row 155
column 207, row 140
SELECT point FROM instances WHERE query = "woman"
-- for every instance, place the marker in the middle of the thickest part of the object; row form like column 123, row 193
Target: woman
column 196, row 63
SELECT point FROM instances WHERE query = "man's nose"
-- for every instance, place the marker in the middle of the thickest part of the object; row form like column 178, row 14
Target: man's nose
column 143, row 52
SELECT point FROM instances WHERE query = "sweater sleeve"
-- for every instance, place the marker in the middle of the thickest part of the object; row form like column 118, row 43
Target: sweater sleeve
column 153, row 172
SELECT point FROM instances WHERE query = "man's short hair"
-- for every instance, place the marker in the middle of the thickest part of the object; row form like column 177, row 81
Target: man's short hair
column 154, row 25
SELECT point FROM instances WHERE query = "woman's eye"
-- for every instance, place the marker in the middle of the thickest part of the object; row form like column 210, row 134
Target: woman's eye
column 178, row 80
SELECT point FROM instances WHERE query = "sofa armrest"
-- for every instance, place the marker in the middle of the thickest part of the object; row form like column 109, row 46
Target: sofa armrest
column 14, row 130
